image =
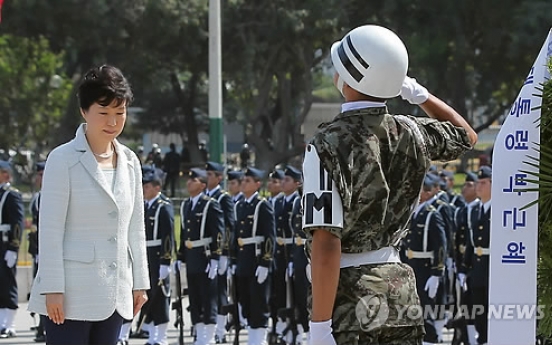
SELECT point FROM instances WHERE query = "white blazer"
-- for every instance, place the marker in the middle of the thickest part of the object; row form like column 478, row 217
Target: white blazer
column 92, row 239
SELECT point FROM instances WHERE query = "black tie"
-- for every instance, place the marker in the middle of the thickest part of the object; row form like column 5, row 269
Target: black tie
column 191, row 206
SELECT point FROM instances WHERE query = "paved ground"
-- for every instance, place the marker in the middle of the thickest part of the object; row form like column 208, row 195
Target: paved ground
column 25, row 336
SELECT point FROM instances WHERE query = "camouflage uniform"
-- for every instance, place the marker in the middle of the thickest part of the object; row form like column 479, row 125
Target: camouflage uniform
column 378, row 162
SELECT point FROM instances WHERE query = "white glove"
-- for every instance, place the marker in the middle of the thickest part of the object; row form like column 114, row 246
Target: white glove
column 308, row 272
column 232, row 269
column 261, row 274
column 462, row 281
column 413, row 92
column 222, row 265
column 11, row 258
column 290, row 269
column 164, row 271
column 36, row 259
column 321, row 333
column 431, row 286
column 178, row 265
column 212, row 269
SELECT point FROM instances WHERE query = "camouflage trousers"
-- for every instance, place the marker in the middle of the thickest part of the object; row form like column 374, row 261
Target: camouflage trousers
column 377, row 305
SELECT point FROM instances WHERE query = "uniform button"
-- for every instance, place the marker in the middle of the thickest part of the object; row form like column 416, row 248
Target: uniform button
column 277, row 252
column 241, row 249
column 478, row 259
column 113, row 214
column 479, row 238
column 241, row 231
column 408, row 240
column 242, row 222
column 280, row 217
column 188, row 221
column 250, row 222
column 189, row 230
column 113, row 265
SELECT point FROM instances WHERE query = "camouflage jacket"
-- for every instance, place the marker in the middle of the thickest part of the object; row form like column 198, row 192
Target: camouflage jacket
column 378, row 162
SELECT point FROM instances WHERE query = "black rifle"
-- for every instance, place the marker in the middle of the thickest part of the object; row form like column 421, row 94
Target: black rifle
column 177, row 305
column 233, row 309
column 289, row 313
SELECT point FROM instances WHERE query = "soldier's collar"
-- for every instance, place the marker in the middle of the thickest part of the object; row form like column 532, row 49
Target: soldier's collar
column 364, row 111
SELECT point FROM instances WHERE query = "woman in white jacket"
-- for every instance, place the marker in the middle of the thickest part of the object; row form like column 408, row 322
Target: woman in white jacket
column 93, row 267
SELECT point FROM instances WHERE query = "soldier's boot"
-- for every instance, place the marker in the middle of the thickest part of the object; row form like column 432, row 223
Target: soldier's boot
column 210, row 334
column 161, row 334
column 220, row 333
column 151, row 334
column 124, row 333
column 439, row 325
column 300, row 335
column 8, row 329
column 280, row 327
column 472, row 334
column 257, row 336
column 199, row 329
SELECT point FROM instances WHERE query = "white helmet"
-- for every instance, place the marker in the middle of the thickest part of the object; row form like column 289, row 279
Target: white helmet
column 372, row 60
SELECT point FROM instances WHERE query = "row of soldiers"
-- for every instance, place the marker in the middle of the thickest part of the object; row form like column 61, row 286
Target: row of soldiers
column 238, row 236
column 447, row 245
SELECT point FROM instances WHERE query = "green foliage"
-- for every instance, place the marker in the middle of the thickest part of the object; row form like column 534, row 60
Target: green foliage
column 543, row 181
column 34, row 91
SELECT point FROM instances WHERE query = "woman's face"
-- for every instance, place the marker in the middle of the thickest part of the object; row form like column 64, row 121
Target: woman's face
column 105, row 121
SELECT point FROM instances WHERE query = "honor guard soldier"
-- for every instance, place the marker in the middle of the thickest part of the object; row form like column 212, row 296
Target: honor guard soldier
column 425, row 251
column 253, row 244
column 12, row 216
column 464, row 219
column 201, row 242
column 215, row 175
column 33, row 239
column 234, row 185
column 159, row 218
column 283, row 207
column 274, row 185
column 476, row 258
column 362, row 173
column 297, row 268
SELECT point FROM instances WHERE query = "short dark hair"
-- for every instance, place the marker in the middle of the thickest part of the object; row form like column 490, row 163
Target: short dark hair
column 104, row 85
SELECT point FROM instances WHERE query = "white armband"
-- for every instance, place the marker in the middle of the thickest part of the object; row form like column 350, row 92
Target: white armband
column 321, row 201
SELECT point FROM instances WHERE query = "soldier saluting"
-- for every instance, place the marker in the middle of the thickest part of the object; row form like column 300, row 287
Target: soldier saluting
column 362, row 173
column 253, row 245
column 202, row 224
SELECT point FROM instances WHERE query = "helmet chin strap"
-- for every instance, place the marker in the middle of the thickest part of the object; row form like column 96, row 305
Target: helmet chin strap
column 339, row 85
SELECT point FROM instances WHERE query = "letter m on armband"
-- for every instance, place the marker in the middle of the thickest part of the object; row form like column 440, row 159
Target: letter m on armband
column 321, row 201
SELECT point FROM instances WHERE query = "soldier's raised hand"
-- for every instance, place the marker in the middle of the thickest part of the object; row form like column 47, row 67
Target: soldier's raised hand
column 261, row 274
column 412, row 92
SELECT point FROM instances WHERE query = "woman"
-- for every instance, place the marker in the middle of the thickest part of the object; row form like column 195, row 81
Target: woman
column 93, row 269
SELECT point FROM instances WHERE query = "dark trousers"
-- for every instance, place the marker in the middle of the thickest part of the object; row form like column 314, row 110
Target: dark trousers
column 202, row 293
column 157, row 306
column 73, row 332
column 300, row 289
column 480, row 297
column 8, row 284
column 222, row 293
column 278, row 291
column 253, row 298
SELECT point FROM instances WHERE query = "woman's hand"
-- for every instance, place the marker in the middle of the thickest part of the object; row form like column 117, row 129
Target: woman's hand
column 140, row 297
column 54, row 307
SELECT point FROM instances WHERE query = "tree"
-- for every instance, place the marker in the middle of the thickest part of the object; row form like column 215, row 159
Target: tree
column 272, row 50
column 34, row 92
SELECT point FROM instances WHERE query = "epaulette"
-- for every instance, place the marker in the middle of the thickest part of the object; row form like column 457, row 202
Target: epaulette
column 12, row 188
column 441, row 202
column 430, row 208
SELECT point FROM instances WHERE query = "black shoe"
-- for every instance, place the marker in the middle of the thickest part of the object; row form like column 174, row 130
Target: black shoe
column 220, row 340
column 40, row 338
column 7, row 333
column 122, row 342
column 140, row 335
